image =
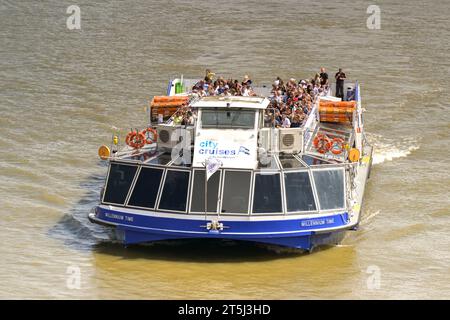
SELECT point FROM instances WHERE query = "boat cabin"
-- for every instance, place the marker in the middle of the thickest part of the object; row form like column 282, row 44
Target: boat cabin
column 264, row 171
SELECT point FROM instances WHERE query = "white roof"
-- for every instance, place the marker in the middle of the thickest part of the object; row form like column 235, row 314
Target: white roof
column 232, row 102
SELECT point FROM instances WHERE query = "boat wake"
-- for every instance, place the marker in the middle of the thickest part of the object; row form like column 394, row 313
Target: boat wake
column 386, row 149
column 369, row 216
column 74, row 228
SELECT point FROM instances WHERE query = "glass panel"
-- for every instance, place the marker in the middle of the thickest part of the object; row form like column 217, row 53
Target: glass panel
column 146, row 188
column 243, row 119
column 175, row 190
column 236, row 192
column 330, row 188
column 198, row 192
column 267, row 197
column 183, row 162
column 267, row 161
column 299, row 194
column 119, row 182
column 312, row 161
column 290, row 162
column 162, row 159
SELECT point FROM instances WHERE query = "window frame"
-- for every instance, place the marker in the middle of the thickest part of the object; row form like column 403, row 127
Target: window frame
column 313, row 190
column 335, row 168
column 160, row 192
column 191, row 185
column 131, row 185
column 255, row 119
column 250, row 195
column 282, row 198
column 134, row 185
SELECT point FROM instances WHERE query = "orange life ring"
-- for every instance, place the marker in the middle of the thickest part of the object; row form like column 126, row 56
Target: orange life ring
column 322, row 143
column 128, row 137
column 135, row 139
column 337, row 146
column 154, row 137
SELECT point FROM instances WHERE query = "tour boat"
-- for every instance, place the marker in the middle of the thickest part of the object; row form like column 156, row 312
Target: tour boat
column 230, row 175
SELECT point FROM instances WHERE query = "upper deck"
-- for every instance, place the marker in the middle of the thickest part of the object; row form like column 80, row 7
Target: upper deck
column 241, row 130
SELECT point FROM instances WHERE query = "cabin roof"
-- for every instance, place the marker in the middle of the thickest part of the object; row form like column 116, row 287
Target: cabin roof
column 232, row 102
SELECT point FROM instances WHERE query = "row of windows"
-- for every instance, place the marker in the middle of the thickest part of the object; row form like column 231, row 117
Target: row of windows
column 236, row 190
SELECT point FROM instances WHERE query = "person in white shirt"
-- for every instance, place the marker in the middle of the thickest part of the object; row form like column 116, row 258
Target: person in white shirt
column 245, row 91
column 285, row 123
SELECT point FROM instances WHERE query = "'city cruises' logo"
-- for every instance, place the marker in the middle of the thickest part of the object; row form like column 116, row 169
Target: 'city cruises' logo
column 209, row 147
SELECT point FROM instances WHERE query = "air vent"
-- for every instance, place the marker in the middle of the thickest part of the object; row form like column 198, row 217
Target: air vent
column 164, row 135
column 291, row 140
column 169, row 136
column 288, row 140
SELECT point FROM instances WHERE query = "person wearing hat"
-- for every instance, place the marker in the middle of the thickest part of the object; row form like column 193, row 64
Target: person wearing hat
column 247, row 81
column 209, row 75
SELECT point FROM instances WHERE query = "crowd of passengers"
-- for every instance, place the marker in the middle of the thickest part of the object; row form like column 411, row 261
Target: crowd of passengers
column 290, row 101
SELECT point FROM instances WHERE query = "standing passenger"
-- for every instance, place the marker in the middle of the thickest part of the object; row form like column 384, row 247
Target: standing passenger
column 323, row 77
column 340, row 77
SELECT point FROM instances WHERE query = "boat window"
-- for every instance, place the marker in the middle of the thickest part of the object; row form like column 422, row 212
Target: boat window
column 290, row 162
column 198, row 192
column 330, row 188
column 119, row 181
column 175, row 191
column 146, row 188
column 267, row 195
column 313, row 161
column 233, row 118
column 162, row 159
column 236, row 192
column 299, row 194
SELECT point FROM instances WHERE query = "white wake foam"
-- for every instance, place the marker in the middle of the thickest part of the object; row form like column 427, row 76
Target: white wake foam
column 381, row 156
column 386, row 149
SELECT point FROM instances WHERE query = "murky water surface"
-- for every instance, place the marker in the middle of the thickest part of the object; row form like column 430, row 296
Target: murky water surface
column 62, row 92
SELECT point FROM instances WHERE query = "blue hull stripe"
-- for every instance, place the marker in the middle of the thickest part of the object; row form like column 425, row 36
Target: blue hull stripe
column 233, row 229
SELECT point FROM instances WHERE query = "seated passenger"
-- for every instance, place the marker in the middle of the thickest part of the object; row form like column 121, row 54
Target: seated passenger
column 226, row 91
column 296, row 122
column 285, row 122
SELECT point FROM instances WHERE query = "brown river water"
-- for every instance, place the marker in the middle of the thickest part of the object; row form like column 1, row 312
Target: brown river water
column 63, row 92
